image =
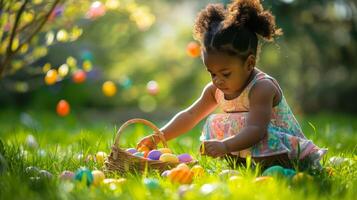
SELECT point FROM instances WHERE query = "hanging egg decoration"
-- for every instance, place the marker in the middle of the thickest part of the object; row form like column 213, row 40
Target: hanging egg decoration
column 63, row 108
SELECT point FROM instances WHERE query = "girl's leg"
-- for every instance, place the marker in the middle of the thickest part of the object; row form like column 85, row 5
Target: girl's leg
column 268, row 161
column 264, row 162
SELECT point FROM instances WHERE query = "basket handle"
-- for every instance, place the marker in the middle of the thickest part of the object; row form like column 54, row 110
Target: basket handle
column 142, row 121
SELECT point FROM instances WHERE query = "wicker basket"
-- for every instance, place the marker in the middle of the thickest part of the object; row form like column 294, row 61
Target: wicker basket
column 123, row 162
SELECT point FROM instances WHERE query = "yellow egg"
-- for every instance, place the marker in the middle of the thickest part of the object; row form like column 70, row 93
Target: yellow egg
column 109, row 89
column 198, row 170
column 113, row 180
column 301, row 178
column 165, row 150
column 98, row 177
column 183, row 165
column 51, row 77
column 168, row 157
column 100, row 156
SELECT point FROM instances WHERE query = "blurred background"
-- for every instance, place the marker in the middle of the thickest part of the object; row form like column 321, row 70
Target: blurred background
column 120, row 59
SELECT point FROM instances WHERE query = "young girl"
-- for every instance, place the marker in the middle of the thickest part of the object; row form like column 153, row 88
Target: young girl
column 257, row 120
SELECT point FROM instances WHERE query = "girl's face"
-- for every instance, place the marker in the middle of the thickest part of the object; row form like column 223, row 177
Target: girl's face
column 228, row 73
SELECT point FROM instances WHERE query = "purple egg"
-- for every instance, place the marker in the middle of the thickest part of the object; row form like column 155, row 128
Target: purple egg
column 183, row 158
column 165, row 173
column 132, row 150
column 154, row 154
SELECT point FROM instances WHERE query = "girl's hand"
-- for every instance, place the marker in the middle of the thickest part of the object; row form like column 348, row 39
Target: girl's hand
column 149, row 142
column 214, row 148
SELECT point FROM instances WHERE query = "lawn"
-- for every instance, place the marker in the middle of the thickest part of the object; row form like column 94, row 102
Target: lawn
column 66, row 143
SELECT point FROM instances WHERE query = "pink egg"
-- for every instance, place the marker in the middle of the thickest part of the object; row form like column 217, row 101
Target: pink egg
column 183, row 158
column 154, row 154
column 67, row 175
column 132, row 150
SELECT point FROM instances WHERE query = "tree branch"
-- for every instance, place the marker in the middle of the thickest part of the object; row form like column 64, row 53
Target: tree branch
column 9, row 52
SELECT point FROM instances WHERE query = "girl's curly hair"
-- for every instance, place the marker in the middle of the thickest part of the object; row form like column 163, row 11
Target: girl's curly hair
column 235, row 29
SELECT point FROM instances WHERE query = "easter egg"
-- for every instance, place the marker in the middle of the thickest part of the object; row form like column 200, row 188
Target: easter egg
column 183, row 158
column 301, row 178
column 183, row 165
column 337, row 161
column 235, row 179
column 113, row 180
column 290, row 173
column 131, row 150
column 168, row 157
column 228, row 173
column 165, row 173
column 51, row 77
column 84, row 175
column 79, row 76
column 109, row 89
column 98, row 177
column 63, row 70
column 193, row 49
column 181, row 176
column 183, row 189
column 151, row 184
column 67, row 175
column 274, row 171
column 330, row 171
column 100, row 157
column 89, row 158
column 152, row 87
column 154, row 154
column 198, row 171
column 31, row 141
column 165, row 150
column 263, row 179
column 208, row 188
column 32, row 171
column 63, row 108
column 139, row 154
column 45, row 174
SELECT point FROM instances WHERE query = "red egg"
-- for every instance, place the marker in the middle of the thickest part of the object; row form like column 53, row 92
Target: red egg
column 193, row 49
column 63, row 108
column 79, row 76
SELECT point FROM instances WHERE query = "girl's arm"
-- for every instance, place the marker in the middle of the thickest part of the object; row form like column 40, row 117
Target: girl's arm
column 186, row 119
column 189, row 118
column 261, row 103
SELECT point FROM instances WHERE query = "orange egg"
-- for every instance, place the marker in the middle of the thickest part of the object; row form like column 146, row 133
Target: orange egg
column 193, row 49
column 63, row 108
column 79, row 76
column 180, row 175
column 51, row 77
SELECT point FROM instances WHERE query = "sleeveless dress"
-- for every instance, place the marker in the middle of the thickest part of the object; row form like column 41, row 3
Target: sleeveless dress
column 284, row 132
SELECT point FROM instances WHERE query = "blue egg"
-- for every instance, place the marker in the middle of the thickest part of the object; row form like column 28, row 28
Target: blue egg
column 290, row 173
column 274, row 171
column 151, row 184
column 84, row 174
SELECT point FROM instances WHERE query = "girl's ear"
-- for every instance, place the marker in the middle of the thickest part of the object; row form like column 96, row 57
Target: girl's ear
column 250, row 62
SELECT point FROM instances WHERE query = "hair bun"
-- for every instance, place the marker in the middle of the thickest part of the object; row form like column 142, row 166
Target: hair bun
column 251, row 15
column 208, row 18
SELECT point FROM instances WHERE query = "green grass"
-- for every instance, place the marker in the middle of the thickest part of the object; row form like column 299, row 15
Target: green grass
column 61, row 140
